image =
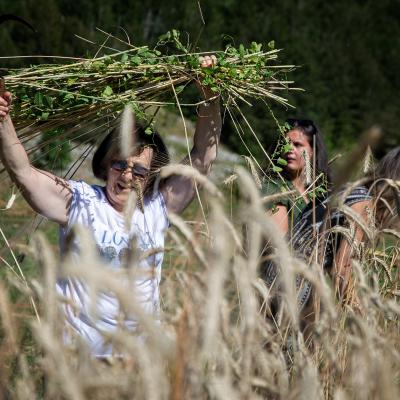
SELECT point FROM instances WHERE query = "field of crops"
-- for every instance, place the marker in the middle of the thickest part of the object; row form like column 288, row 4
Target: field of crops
column 217, row 337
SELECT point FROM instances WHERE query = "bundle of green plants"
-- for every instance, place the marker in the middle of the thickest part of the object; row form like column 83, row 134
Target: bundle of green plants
column 78, row 98
column 52, row 95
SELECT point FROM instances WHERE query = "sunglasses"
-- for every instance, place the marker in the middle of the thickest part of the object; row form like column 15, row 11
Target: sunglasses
column 138, row 171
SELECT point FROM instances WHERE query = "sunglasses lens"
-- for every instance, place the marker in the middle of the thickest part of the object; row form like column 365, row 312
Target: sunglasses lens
column 119, row 165
column 140, row 172
column 137, row 170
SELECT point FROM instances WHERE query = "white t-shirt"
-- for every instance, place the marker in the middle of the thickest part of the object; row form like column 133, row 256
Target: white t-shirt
column 91, row 209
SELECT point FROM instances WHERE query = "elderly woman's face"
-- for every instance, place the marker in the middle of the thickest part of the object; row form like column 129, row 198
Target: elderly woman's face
column 125, row 175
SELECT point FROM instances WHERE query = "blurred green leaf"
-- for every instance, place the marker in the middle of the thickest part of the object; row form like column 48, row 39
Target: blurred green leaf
column 108, row 91
column 275, row 168
column 38, row 100
column 281, row 161
column 44, row 116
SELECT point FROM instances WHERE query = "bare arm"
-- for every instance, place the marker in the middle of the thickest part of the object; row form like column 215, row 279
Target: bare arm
column 178, row 191
column 342, row 262
column 47, row 194
column 280, row 217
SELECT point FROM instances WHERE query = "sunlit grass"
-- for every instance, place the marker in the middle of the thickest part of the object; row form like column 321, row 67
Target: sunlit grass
column 214, row 341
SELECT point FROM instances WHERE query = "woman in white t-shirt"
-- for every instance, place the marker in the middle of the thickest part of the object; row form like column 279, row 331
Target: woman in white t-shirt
column 101, row 210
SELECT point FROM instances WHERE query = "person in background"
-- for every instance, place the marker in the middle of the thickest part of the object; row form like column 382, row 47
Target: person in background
column 303, row 148
column 379, row 208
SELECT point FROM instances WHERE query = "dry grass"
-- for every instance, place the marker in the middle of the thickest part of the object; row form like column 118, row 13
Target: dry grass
column 215, row 340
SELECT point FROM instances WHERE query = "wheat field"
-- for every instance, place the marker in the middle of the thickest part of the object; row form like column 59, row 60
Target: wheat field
column 217, row 338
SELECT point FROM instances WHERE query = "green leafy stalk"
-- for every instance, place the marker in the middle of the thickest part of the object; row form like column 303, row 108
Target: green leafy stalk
column 59, row 94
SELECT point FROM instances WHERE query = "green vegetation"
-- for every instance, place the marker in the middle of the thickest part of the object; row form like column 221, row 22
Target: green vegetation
column 348, row 51
column 139, row 76
column 77, row 100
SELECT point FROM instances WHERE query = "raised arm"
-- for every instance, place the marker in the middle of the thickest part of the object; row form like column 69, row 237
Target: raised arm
column 178, row 191
column 47, row 194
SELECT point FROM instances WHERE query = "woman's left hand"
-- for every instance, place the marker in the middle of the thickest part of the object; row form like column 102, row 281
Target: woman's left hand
column 207, row 62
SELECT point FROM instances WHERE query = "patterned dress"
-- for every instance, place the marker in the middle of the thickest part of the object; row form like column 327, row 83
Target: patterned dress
column 323, row 222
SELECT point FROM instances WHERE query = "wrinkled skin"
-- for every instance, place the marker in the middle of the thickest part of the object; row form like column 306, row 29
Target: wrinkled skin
column 120, row 184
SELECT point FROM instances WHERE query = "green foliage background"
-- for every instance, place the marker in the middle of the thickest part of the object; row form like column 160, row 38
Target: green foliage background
column 349, row 52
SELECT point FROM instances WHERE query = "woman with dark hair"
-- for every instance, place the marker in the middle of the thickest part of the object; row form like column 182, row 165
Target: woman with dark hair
column 375, row 201
column 103, row 211
column 108, row 150
column 303, row 151
column 317, row 233
column 305, row 174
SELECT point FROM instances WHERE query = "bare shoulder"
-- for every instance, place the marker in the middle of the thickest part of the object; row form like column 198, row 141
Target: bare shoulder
column 280, row 217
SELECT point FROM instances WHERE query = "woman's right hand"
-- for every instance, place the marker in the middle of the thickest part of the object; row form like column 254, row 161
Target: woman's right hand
column 5, row 104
